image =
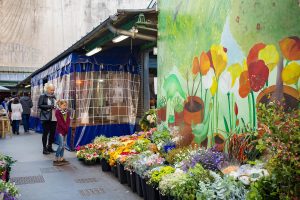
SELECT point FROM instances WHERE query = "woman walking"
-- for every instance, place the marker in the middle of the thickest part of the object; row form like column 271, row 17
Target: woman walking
column 47, row 107
column 16, row 115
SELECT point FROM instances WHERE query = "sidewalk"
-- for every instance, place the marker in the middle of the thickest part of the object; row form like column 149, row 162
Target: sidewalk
column 37, row 179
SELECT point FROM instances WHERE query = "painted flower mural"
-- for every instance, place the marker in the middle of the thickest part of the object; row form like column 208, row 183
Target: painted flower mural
column 226, row 68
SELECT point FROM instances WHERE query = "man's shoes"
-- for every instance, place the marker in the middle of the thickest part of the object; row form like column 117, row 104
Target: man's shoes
column 46, row 152
column 65, row 162
column 57, row 163
column 50, row 149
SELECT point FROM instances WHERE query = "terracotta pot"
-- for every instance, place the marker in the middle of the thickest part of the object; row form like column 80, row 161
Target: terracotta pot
column 162, row 114
column 193, row 115
column 291, row 96
column 219, row 142
column 178, row 118
column 187, row 136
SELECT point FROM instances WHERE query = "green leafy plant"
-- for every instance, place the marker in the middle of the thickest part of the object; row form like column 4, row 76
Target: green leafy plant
column 281, row 139
column 177, row 155
column 221, row 188
column 161, row 137
column 9, row 189
column 141, row 145
column 158, row 173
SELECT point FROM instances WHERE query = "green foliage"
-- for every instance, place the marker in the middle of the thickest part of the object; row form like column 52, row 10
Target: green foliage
column 281, row 139
column 221, row 188
column 141, row 145
column 8, row 187
column 157, row 174
column 177, row 155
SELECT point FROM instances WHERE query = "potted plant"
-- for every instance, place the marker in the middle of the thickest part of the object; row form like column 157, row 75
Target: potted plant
column 121, row 173
column 162, row 109
column 178, row 111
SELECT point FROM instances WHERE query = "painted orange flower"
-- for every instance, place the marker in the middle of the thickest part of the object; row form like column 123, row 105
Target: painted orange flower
column 204, row 63
column 290, row 47
column 196, row 66
column 254, row 53
column 244, row 89
column 258, row 75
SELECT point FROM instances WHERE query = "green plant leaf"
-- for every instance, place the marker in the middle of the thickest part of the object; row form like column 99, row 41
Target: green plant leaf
column 226, row 124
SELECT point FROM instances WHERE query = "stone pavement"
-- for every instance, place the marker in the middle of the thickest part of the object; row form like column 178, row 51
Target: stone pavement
column 37, row 179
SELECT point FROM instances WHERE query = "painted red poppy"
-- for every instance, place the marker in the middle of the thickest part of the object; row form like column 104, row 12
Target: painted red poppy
column 290, row 48
column 244, row 88
column 253, row 53
column 258, row 75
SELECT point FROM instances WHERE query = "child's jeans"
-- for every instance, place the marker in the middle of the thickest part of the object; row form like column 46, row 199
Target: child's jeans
column 61, row 146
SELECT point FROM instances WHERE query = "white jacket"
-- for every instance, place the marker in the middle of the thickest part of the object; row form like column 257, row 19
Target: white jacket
column 16, row 111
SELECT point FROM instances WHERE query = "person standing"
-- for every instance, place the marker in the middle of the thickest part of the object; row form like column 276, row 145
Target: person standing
column 46, row 104
column 62, row 128
column 16, row 115
column 26, row 103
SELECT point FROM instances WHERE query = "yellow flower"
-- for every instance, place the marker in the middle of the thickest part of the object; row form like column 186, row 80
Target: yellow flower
column 214, row 86
column 219, row 59
column 290, row 74
column 235, row 71
column 270, row 56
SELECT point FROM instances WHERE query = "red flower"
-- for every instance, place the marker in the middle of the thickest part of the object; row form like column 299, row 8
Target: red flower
column 290, row 47
column 253, row 53
column 236, row 110
column 244, row 89
column 258, row 74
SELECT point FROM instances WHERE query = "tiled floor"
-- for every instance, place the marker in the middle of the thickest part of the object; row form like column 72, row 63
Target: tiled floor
column 37, row 179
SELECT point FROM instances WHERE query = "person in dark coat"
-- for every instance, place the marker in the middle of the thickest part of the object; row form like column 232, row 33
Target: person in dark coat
column 46, row 104
column 26, row 103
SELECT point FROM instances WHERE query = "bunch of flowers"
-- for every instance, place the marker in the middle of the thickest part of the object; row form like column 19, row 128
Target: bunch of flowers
column 89, row 153
column 5, row 165
column 160, row 138
column 156, row 174
column 177, row 155
column 148, row 121
column 141, row 145
column 221, row 188
column 122, row 152
column 209, row 159
column 8, row 190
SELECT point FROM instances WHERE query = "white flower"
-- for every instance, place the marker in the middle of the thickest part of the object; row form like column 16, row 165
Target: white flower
column 225, row 82
column 207, row 80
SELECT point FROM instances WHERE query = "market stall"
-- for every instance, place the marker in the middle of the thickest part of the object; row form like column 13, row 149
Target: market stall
column 102, row 91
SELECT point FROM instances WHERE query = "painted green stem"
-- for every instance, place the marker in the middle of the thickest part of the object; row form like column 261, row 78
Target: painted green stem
column 205, row 95
column 229, row 109
column 254, row 110
column 250, row 112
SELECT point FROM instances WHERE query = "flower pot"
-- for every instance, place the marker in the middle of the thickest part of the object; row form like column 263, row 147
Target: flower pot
column 152, row 193
column 162, row 197
column 89, row 162
column 133, row 181
column 138, row 182
column 128, row 178
column 144, row 189
column 4, row 176
column 121, row 174
column 219, row 141
column 114, row 170
column 105, row 166
column 186, row 136
column 178, row 118
column 193, row 112
column 162, row 114
column 291, row 96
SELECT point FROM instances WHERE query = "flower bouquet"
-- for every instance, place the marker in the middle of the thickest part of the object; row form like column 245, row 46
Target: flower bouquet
column 148, row 121
column 8, row 191
column 5, row 166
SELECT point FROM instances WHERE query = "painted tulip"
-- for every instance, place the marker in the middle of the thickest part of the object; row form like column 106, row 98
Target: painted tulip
column 290, row 47
column 208, row 79
column 219, row 58
column 214, row 86
column 244, row 88
column 258, row 75
column 270, row 56
column 236, row 109
column 291, row 73
column 253, row 53
column 235, row 71
column 195, row 67
column 225, row 82
column 204, row 63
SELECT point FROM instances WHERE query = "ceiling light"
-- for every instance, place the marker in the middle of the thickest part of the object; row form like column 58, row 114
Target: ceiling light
column 119, row 38
column 94, row 51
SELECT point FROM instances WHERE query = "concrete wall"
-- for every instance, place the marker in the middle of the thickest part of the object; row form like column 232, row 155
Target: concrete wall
column 32, row 32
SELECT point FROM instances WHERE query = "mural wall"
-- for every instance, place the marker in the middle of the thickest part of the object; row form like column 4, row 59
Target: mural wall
column 217, row 59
